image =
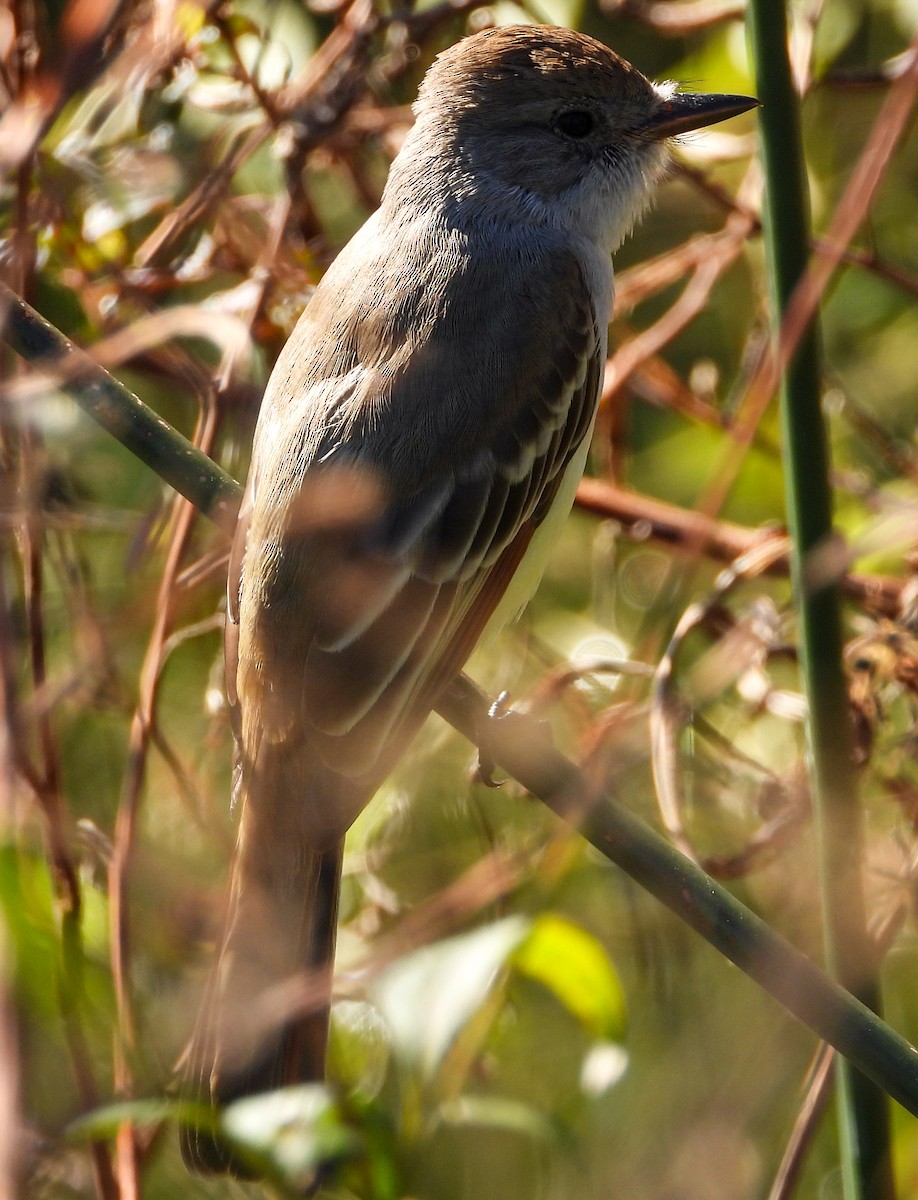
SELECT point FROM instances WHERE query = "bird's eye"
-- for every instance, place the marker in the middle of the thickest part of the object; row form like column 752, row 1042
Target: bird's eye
column 576, row 123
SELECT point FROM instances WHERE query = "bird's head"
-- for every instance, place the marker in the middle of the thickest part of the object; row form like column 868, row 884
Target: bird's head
column 556, row 123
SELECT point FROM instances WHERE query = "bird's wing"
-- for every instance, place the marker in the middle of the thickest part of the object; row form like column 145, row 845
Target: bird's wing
column 387, row 518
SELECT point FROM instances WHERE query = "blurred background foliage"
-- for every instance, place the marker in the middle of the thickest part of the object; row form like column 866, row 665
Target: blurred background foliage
column 516, row 1019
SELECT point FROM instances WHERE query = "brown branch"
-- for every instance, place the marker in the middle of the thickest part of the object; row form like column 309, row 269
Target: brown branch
column 655, row 381
column 677, row 20
column 688, row 529
column 874, row 76
column 869, row 260
column 331, row 82
column 10, row 1079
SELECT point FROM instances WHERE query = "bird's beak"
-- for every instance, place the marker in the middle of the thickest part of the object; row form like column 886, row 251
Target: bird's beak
column 686, row 111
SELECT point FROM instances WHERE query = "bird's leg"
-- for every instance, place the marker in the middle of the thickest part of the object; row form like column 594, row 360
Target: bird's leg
column 483, row 771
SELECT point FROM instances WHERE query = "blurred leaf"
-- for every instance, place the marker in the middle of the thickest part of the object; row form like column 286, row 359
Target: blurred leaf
column 573, row 964
column 26, row 899
column 190, row 18
column 358, row 1049
column 297, row 1129
column 499, row 1112
column 430, row 996
column 603, row 1067
column 836, row 27
column 558, row 12
column 239, row 24
column 105, row 1122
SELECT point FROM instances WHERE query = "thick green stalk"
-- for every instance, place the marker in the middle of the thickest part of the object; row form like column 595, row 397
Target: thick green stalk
column 863, row 1114
column 519, row 745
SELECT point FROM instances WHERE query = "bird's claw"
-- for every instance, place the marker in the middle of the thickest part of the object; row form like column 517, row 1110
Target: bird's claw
column 485, row 766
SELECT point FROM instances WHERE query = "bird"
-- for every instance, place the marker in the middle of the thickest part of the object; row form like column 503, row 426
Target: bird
column 417, row 450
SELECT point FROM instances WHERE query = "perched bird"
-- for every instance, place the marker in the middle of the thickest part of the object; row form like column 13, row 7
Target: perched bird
column 419, row 444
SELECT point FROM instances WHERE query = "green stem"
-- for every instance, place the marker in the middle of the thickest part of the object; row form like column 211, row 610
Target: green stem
column 863, row 1113
column 520, row 746
column 172, row 457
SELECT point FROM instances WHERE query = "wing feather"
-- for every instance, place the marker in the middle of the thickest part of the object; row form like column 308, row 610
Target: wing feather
column 386, row 525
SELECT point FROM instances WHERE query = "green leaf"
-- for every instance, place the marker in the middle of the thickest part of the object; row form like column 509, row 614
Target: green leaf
column 296, row 1129
column 31, row 943
column 574, row 965
column 499, row 1112
column 358, row 1048
column 430, row 996
column 106, row 1121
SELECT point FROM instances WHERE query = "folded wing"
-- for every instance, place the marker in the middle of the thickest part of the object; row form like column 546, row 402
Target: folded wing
column 394, row 490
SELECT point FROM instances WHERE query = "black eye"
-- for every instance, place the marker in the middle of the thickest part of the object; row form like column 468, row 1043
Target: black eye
column 576, row 123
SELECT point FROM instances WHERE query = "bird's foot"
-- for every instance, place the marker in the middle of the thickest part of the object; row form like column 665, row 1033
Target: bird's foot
column 485, row 766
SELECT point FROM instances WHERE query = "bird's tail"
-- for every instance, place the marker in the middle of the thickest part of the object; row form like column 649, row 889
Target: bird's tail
column 264, row 1020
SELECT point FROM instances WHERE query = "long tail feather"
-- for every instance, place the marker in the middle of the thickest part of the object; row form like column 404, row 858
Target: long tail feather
column 264, row 1020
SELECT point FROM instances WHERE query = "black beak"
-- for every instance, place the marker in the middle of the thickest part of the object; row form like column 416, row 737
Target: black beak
column 686, row 111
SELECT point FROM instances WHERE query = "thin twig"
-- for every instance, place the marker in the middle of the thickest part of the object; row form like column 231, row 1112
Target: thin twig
column 720, row 251
column 666, row 711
